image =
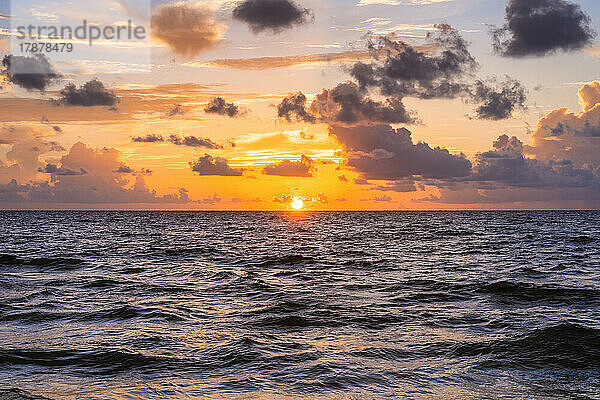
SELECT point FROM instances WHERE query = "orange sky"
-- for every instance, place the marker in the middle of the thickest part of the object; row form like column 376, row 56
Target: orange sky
column 257, row 160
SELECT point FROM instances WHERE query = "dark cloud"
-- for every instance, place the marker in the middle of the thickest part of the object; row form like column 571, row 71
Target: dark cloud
column 402, row 70
column 498, row 100
column 293, row 107
column 380, row 152
column 62, row 171
column 219, row 106
column 186, row 29
column 540, row 27
column 303, row 168
column 345, row 103
column 193, row 141
column 189, row 141
column 214, row 166
column 92, row 93
column 271, row 15
column 30, row 73
column 148, row 139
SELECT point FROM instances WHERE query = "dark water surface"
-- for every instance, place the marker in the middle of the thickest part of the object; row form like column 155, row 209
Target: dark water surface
column 157, row 305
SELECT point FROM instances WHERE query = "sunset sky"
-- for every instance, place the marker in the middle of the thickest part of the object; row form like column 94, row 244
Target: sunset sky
column 330, row 104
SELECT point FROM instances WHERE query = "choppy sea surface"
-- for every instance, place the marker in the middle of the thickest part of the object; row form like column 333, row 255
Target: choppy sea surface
column 323, row 305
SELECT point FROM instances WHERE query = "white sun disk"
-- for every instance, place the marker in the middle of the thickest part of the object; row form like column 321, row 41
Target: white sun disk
column 297, row 204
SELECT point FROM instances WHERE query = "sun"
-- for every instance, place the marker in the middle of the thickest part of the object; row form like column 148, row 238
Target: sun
column 297, row 203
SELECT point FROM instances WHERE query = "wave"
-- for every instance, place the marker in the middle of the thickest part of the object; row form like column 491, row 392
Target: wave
column 56, row 263
column 8, row 259
column 540, row 293
column 583, row 239
column 123, row 313
column 567, row 345
column 97, row 362
column 101, row 283
column 17, row 394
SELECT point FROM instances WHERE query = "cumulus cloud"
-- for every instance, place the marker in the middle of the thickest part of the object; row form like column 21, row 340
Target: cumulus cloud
column 540, row 27
column 271, row 15
column 219, row 106
column 87, row 176
column 562, row 134
column 92, row 93
column 302, row 168
column 214, row 166
column 506, row 164
column 30, row 73
column 498, row 100
column 193, row 141
column 504, row 175
column 379, row 152
column 27, row 146
column 187, row 29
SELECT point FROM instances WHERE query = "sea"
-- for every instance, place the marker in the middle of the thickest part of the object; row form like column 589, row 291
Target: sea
column 300, row 305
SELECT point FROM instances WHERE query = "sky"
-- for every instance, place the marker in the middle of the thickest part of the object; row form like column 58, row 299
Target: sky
column 311, row 104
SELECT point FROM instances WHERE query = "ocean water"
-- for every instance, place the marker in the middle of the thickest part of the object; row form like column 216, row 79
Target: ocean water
column 268, row 305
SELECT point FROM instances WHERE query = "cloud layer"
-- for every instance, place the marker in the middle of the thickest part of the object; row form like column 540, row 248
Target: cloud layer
column 379, row 152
